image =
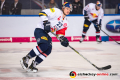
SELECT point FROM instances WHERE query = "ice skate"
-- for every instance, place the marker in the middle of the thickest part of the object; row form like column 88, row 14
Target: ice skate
column 32, row 67
column 24, row 62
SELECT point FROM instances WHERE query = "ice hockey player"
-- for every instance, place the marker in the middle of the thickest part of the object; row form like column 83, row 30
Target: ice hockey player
column 52, row 19
column 93, row 12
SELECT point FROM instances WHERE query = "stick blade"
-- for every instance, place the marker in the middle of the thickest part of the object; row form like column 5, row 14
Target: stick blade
column 105, row 68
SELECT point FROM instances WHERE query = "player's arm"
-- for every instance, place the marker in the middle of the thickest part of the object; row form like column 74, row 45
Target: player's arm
column 44, row 17
column 100, row 17
column 61, row 34
column 85, row 10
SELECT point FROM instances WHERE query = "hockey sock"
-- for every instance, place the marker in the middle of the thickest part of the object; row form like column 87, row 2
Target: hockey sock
column 97, row 35
column 37, row 50
column 83, row 36
column 38, row 60
column 31, row 54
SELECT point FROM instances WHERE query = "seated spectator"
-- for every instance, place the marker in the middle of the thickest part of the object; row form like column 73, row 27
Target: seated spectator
column 4, row 8
column 52, row 4
column 77, row 7
column 117, row 10
column 16, row 8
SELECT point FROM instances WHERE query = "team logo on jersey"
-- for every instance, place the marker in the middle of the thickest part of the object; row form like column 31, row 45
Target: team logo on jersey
column 59, row 18
column 94, row 15
column 38, row 40
column 72, row 74
column 45, row 38
column 113, row 26
column 53, row 29
column 65, row 25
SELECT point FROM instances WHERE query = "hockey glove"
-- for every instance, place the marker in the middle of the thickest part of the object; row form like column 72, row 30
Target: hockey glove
column 47, row 26
column 64, row 41
column 99, row 26
column 86, row 17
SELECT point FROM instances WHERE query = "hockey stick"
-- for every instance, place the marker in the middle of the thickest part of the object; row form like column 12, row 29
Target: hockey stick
column 102, row 68
column 106, row 33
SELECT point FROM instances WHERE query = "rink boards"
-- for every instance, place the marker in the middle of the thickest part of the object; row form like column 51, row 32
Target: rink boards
column 54, row 39
column 21, row 28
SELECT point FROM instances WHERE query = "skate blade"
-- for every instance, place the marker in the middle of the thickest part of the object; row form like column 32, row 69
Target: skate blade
column 99, row 42
column 21, row 62
column 80, row 41
column 31, row 71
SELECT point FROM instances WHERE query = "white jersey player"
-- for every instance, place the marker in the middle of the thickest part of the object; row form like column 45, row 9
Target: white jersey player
column 54, row 20
column 92, row 12
column 58, row 24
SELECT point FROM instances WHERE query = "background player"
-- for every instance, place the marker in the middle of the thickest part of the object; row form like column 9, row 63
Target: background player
column 94, row 13
column 54, row 20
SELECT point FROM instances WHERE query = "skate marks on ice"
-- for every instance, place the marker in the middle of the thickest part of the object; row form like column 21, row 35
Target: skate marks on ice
column 61, row 61
column 52, row 73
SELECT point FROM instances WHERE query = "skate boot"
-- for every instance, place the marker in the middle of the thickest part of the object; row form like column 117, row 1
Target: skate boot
column 81, row 40
column 32, row 67
column 98, row 40
column 24, row 62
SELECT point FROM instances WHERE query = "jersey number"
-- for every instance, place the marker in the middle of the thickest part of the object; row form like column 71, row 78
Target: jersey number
column 59, row 24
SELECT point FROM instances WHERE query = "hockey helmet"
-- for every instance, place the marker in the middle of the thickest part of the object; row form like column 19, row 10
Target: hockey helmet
column 67, row 4
column 98, row 3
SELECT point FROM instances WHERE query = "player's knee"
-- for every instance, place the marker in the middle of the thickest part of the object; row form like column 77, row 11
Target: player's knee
column 38, row 59
column 48, row 50
column 43, row 46
column 97, row 31
column 85, row 29
column 43, row 55
column 86, row 25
